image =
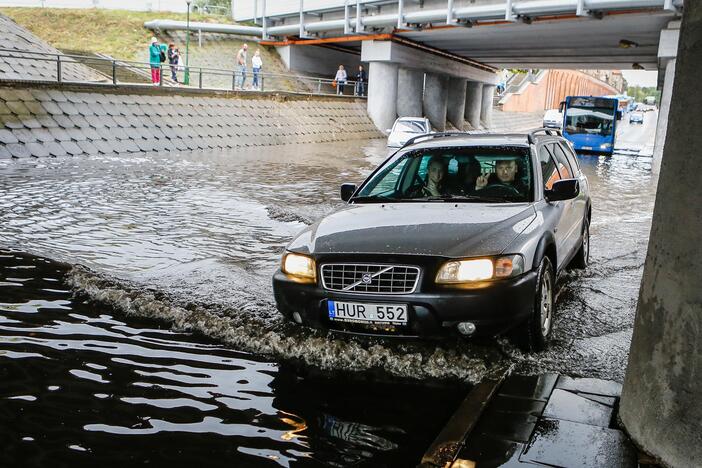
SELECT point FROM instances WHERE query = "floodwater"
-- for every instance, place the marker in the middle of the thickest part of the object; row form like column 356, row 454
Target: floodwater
column 160, row 331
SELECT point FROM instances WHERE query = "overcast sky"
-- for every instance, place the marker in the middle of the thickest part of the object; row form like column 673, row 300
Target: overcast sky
column 641, row 77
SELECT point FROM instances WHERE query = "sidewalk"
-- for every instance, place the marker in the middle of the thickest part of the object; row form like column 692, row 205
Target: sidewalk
column 545, row 420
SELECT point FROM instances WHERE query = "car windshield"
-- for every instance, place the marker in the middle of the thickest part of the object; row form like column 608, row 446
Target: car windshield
column 470, row 174
column 410, row 126
column 591, row 120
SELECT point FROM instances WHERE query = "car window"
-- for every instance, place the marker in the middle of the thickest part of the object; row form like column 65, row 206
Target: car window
column 548, row 168
column 487, row 174
column 410, row 126
column 563, row 164
column 572, row 159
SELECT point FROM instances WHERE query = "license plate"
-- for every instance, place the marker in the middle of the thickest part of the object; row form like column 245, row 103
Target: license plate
column 587, row 147
column 367, row 313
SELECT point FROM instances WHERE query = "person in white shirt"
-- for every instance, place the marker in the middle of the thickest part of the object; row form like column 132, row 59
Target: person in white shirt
column 256, row 64
column 340, row 79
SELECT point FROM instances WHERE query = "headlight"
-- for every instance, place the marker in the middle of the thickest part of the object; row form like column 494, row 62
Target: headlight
column 605, row 145
column 480, row 269
column 299, row 266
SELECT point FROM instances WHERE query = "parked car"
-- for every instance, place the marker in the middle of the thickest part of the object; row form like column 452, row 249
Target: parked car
column 553, row 118
column 636, row 118
column 405, row 128
column 452, row 234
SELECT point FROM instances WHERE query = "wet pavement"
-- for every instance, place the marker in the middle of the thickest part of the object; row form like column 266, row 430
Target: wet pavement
column 79, row 385
column 192, row 240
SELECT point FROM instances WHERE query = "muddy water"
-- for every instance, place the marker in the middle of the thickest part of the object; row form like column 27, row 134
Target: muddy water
column 192, row 239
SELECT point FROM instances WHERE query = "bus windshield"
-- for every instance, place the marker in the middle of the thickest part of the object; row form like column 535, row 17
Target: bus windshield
column 589, row 120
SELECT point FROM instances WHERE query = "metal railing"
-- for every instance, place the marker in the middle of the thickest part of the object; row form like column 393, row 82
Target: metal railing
column 124, row 72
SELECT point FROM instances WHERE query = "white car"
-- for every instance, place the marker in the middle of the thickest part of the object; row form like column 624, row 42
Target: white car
column 405, row 128
column 553, row 118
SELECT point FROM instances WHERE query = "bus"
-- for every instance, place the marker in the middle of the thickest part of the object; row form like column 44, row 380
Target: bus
column 590, row 123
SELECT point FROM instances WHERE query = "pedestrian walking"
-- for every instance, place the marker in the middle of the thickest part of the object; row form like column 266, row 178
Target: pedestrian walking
column 340, row 79
column 256, row 65
column 361, row 80
column 173, row 57
column 155, row 61
column 241, row 65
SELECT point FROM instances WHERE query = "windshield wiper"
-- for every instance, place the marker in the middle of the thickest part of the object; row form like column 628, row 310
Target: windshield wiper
column 460, row 198
column 373, row 198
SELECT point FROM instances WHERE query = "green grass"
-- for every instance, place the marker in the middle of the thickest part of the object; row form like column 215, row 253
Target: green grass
column 120, row 34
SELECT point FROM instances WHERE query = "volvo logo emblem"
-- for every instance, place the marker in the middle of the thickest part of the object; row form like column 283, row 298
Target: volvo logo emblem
column 367, row 278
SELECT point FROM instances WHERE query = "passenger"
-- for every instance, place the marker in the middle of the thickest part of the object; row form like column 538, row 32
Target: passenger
column 434, row 185
column 468, row 174
column 505, row 174
column 340, row 79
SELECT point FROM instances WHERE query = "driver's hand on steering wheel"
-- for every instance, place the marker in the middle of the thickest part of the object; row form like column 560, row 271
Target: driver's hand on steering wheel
column 481, row 182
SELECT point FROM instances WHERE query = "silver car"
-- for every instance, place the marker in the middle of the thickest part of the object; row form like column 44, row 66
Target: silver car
column 406, row 128
column 452, row 234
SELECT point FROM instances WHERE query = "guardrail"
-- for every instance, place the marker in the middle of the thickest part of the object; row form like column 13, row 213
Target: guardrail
column 124, row 72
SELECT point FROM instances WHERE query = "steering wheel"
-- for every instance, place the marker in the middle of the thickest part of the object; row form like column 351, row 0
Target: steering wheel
column 498, row 190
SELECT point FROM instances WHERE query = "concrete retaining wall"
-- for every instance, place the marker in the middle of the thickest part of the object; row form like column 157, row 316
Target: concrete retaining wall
column 41, row 121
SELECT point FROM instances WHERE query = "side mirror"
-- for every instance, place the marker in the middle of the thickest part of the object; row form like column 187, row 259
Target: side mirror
column 561, row 106
column 565, row 189
column 388, row 131
column 347, row 191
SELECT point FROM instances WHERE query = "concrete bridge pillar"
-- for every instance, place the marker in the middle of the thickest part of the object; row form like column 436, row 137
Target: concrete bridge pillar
column 435, row 97
column 486, row 105
column 456, row 103
column 410, row 85
column 661, row 404
column 382, row 94
column 473, row 104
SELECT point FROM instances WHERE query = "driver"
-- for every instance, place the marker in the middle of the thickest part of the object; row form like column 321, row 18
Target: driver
column 505, row 174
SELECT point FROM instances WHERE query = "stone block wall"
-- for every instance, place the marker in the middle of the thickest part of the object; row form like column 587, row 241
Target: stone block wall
column 40, row 122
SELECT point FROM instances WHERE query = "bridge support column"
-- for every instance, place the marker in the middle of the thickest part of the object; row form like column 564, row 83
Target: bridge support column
column 382, row 94
column 486, row 105
column 473, row 105
column 661, row 404
column 456, row 104
column 663, row 110
column 435, row 96
column 410, row 84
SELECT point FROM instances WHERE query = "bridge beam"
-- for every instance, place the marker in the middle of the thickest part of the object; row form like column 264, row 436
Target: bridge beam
column 456, row 104
column 473, row 105
column 435, row 99
column 486, row 105
column 382, row 94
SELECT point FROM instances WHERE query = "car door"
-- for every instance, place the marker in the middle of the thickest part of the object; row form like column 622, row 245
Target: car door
column 574, row 208
column 555, row 213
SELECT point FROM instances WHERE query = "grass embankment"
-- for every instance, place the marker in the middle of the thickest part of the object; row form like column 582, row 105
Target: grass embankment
column 118, row 33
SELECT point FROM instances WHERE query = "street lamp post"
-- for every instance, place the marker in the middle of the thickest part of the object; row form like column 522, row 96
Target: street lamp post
column 186, row 78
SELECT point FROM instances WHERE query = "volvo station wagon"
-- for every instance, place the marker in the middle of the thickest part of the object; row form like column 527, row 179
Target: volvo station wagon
column 454, row 234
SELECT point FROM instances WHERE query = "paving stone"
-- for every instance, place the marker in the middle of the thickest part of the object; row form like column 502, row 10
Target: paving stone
column 104, row 132
column 102, row 98
column 18, row 150
column 98, row 109
column 95, row 121
column 24, row 135
column 52, row 108
column 55, row 149
column 71, row 148
column 43, row 135
column 75, row 98
column 131, row 146
column 85, row 109
column 87, row 147
column 7, row 137
column 109, row 122
column 120, row 146
column 112, row 109
column 40, row 95
column 91, row 134
column 566, row 443
column 76, row 134
column 35, row 108
column 571, row 407
column 142, row 132
column 38, row 150
column 17, row 107
column 605, row 400
column 145, row 144
column 5, row 153
column 79, row 121
column 63, row 121
column 56, row 95
column 119, row 134
column 60, row 134
column 105, row 147
column 68, row 108
column 587, row 385
column 122, row 121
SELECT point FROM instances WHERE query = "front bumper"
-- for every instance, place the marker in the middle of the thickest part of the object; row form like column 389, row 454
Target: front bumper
column 493, row 309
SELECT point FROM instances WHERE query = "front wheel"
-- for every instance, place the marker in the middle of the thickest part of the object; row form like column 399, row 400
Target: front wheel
column 537, row 332
column 582, row 257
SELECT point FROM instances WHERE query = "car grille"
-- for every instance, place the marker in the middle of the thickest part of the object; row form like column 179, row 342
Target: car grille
column 370, row 278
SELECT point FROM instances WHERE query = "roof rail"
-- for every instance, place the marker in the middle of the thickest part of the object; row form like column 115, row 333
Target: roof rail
column 547, row 131
column 430, row 136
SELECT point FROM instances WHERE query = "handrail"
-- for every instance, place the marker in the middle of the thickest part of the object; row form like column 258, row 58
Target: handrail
column 118, row 64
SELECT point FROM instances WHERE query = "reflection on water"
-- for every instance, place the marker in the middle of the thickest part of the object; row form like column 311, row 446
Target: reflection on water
column 80, row 386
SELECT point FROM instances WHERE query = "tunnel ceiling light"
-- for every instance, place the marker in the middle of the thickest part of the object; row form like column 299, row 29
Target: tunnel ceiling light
column 627, row 44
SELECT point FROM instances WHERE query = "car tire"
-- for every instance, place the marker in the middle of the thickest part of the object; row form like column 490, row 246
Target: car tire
column 582, row 257
column 536, row 335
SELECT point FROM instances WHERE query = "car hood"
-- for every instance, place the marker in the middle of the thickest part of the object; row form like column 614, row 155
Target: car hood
column 436, row 228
